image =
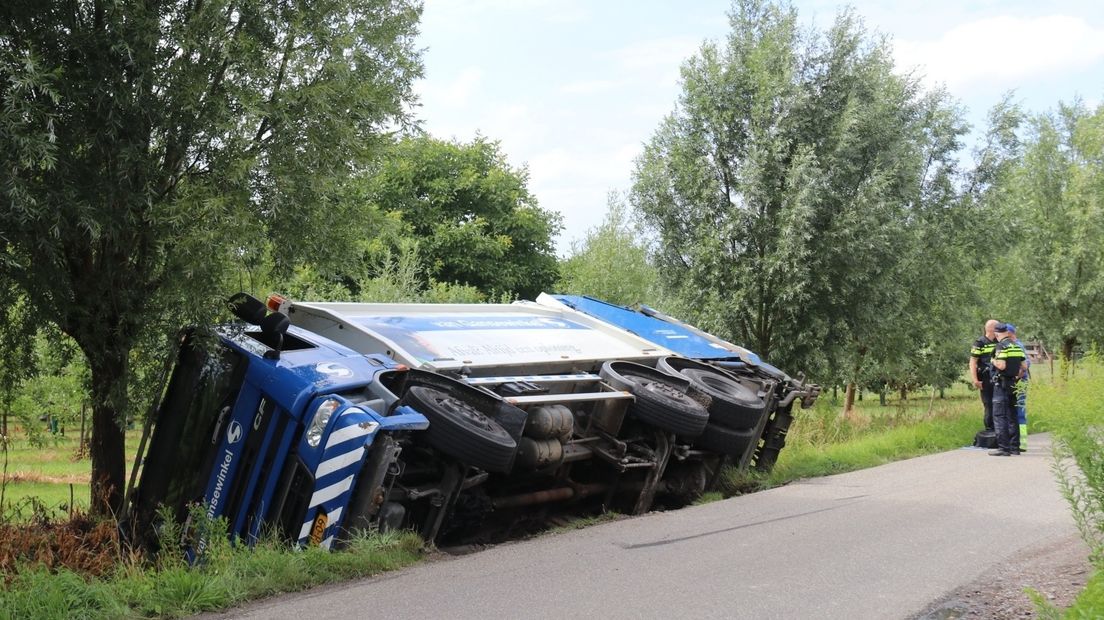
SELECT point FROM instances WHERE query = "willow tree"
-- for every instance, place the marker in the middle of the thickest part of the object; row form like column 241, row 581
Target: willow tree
column 146, row 146
column 1054, row 199
column 784, row 185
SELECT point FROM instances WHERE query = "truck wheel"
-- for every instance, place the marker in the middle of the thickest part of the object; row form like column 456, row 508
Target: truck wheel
column 734, row 405
column 724, row 440
column 462, row 431
column 659, row 403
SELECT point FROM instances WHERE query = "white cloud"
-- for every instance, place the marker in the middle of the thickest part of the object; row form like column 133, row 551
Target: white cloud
column 576, row 182
column 608, row 166
column 590, row 87
column 1002, row 50
column 455, row 93
column 663, row 54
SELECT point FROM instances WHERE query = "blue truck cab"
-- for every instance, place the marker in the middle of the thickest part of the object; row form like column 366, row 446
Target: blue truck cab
column 259, row 439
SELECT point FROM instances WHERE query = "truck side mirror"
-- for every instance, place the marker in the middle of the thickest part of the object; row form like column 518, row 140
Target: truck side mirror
column 274, row 326
column 247, row 308
column 276, row 323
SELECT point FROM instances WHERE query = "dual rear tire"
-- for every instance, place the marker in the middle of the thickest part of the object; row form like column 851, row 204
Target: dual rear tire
column 666, row 402
column 736, row 411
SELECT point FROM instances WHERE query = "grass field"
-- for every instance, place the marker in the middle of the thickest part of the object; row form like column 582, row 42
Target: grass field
column 49, row 475
column 823, row 441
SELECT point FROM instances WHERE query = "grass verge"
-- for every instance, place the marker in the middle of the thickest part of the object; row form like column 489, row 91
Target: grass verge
column 1073, row 410
column 170, row 588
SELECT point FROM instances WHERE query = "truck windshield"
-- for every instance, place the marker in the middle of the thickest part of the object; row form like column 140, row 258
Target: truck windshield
column 200, row 395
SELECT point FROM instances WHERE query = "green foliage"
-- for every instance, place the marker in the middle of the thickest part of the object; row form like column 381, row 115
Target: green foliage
column 474, row 218
column 56, row 391
column 1054, row 201
column 143, row 146
column 611, row 263
column 399, row 278
column 795, row 191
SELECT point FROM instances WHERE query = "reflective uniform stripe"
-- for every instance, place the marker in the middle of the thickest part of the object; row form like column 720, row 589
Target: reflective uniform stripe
column 983, row 351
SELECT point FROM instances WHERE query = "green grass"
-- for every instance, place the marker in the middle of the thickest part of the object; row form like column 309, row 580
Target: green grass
column 709, row 498
column 822, row 441
column 231, row 575
column 50, row 474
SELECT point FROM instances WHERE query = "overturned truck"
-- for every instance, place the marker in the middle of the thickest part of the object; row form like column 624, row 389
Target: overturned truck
column 464, row 422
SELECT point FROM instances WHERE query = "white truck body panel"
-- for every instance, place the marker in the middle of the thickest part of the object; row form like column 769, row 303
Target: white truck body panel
column 524, row 336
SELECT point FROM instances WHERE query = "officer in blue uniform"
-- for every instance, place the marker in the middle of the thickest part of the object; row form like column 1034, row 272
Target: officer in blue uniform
column 1007, row 359
column 1021, row 389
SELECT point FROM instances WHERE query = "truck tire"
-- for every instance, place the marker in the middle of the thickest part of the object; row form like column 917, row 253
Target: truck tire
column 735, row 405
column 659, row 403
column 462, row 431
column 725, row 440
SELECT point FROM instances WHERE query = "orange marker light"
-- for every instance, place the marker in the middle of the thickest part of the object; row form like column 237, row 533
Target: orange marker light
column 275, row 302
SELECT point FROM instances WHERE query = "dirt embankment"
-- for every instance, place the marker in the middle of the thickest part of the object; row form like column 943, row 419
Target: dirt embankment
column 1058, row 571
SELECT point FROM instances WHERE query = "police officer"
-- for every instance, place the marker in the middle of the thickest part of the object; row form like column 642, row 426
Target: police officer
column 980, row 356
column 1021, row 388
column 1007, row 359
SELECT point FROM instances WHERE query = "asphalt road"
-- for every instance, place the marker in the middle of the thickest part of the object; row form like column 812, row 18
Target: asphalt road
column 880, row 543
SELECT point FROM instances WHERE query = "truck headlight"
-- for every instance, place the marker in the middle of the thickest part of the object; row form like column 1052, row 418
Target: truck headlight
column 321, row 418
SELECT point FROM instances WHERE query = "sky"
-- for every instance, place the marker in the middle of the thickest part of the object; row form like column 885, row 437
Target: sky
column 573, row 89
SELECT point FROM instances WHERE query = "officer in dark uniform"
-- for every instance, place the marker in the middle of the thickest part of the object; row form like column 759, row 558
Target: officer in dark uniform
column 1007, row 358
column 980, row 356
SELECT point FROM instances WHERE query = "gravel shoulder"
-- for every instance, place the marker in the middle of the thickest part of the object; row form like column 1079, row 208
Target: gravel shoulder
column 1058, row 570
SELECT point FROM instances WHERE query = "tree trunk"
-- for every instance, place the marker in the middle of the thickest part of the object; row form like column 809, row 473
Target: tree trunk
column 83, row 436
column 1067, row 355
column 882, row 397
column 849, row 399
column 904, row 392
column 107, row 447
column 1067, row 348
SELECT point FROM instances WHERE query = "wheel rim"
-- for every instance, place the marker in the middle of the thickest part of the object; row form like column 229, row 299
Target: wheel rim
column 466, row 412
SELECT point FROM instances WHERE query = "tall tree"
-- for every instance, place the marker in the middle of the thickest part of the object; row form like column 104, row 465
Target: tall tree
column 1055, row 201
column 783, row 185
column 472, row 213
column 143, row 145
